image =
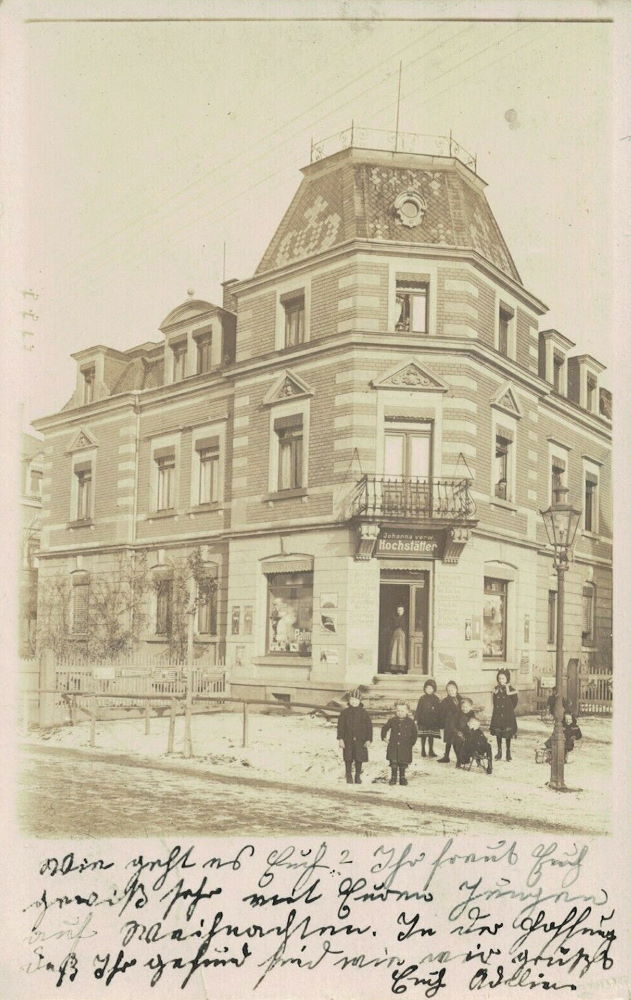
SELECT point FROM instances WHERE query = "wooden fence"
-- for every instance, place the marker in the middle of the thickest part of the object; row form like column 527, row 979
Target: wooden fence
column 595, row 694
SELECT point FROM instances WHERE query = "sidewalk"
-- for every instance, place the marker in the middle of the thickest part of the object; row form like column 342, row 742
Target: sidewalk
column 302, row 751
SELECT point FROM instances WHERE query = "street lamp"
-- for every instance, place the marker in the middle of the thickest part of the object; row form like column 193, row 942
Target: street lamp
column 561, row 521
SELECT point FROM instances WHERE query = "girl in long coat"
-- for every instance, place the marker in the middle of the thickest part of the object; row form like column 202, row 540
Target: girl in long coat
column 452, row 720
column 503, row 722
column 427, row 717
column 354, row 731
column 402, row 732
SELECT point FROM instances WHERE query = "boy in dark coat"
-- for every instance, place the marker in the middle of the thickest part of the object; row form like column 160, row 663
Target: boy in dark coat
column 571, row 732
column 427, row 717
column 402, row 732
column 354, row 731
column 452, row 720
column 503, row 721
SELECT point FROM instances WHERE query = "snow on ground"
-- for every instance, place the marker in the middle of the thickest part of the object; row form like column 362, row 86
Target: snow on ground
column 303, row 750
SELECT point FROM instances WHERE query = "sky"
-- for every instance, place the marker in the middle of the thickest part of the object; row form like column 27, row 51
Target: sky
column 147, row 146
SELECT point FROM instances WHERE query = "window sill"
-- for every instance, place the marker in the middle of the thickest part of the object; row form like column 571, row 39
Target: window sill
column 282, row 661
column 503, row 504
column 157, row 515
column 591, row 534
column 204, row 508
column 285, row 494
column 83, row 522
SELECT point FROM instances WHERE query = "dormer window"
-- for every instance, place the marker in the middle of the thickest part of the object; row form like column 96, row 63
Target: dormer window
column 557, row 371
column 204, row 344
column 591, row 389
column 89, row 377
column 179, row 360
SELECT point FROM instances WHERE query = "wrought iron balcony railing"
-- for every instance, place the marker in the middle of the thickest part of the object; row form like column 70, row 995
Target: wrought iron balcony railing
column 409, row 498
column 397, row 142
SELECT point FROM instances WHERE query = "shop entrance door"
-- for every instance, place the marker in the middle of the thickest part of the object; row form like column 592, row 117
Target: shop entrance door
column 404, row 625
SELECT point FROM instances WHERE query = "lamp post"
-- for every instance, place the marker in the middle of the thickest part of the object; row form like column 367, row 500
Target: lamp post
column 561, row 521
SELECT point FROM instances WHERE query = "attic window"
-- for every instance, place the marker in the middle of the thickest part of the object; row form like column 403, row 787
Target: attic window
column 179, row 360
column 294, row 307
column 590, row 393
column 557, row 371
column 203, row 342
column 89, row 376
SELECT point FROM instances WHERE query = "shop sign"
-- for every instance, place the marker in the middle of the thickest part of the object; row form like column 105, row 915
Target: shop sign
column 409, row 544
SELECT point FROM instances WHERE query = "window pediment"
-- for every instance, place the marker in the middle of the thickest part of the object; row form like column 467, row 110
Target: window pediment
column 82, row 440
column 412, row 376
column 506, row 400
column 288, row 386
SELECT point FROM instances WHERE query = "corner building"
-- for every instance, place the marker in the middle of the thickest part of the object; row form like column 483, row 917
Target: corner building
column 361, row 439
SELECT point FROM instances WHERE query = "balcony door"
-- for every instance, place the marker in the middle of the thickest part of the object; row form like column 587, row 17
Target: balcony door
column 407, row 470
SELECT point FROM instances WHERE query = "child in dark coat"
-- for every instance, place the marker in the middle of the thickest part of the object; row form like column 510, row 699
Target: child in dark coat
column 571, row 732
column 503, row 721
column 402, row 732
column 452, row 721
column 473, row 743
column 354, row 731
column 427, row 717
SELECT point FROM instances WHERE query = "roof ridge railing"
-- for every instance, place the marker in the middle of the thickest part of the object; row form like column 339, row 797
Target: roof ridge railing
column 392, row 141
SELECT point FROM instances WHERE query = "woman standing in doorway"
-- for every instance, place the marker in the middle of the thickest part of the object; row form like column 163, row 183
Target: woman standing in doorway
column 503, row 721
column 398, row 659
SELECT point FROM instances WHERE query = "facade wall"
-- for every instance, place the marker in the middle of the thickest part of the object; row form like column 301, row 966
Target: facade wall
column 345, row 383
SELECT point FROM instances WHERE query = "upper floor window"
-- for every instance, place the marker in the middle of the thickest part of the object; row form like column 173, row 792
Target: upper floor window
column 290, row 440
column 557, row 476
column 558, row 362
column 179, row 360
column 502, row 473
column 165, row 493
column 590, row 502
column 208, row 469
column 203, row 342
column 505, row 319
column 294, row 307
column 591, row 388
column 411, row 307
column 35, row 482
column 89, row 377
column 83, row 477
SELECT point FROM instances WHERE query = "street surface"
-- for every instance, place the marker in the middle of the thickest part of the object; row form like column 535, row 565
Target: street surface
column 67, row 795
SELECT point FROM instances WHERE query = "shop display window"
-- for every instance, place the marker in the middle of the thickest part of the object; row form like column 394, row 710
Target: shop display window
column 290, row 613
column 494, row 619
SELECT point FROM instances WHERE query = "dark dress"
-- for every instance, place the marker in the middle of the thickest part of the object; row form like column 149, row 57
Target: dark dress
column 503, row 721
column 452, row 720
column 402, row 739
column 571, row 732
column 355, row 728
column 474, row 744
column 427, row 715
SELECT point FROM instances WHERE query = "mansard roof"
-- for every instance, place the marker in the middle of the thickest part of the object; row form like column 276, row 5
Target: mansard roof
column 352, row 195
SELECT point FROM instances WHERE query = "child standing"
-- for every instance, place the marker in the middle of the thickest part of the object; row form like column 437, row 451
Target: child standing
column 402, row 738
column 354, row 731
column 427, row 717
column 503, row 721
column 452, row 720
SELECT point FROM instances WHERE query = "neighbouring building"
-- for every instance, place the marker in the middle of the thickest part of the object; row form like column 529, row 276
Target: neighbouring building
column 31, row 474
column 359, row 441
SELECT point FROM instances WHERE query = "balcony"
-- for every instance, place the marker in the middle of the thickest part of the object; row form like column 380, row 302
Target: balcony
column 411, row 499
